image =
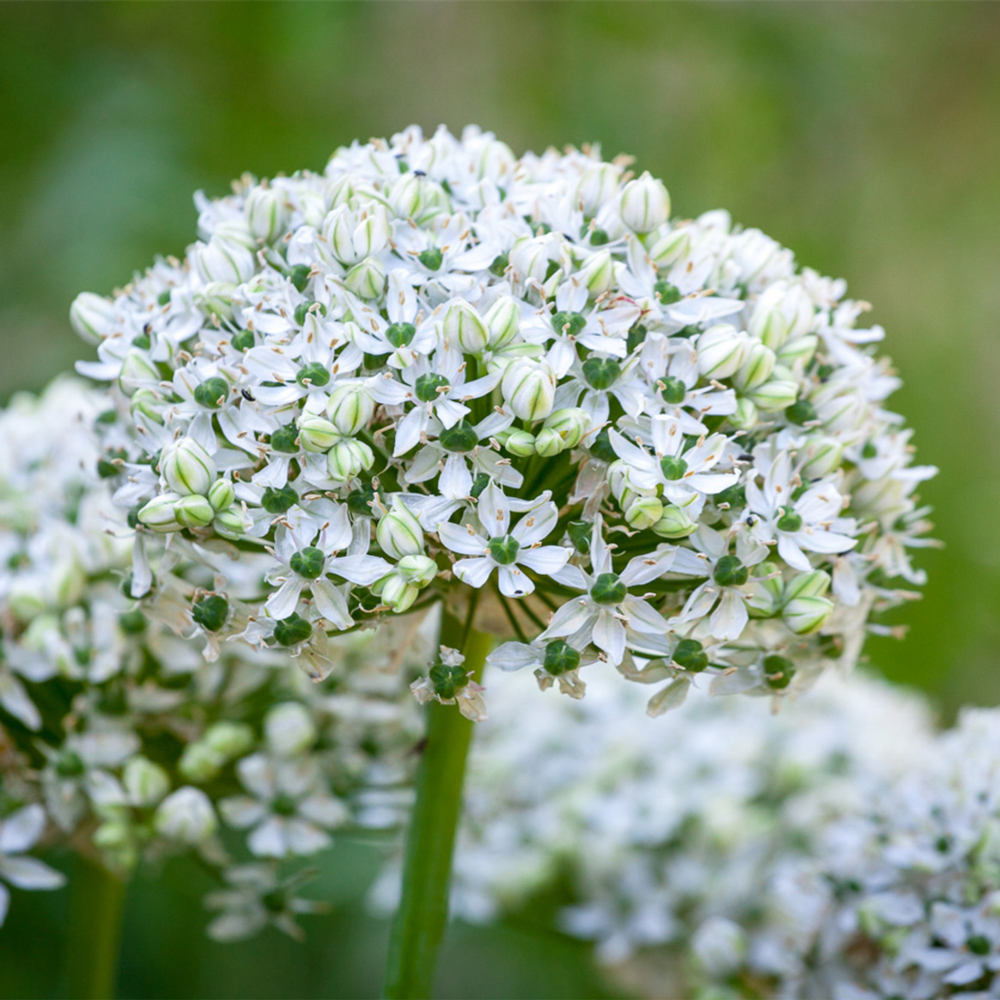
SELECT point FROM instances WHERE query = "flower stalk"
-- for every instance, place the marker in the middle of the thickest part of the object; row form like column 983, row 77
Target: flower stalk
column 423, row 907
column 98, row 898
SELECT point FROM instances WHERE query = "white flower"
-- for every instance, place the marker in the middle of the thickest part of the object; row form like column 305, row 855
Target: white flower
column 19, row 832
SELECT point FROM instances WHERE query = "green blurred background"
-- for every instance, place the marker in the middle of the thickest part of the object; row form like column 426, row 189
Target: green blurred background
column 864, row 136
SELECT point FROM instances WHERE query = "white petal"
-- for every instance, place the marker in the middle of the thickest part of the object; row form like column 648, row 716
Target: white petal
column 30, row 873
column 21, row 829
column 792, row 554
column 269, row 840
column 455, row 482
column 494, row 511
column 547, row 559
column 331, row 605
column 514, row 656
column 536, row 527
column 514, row 583
column 609, row 635
column 363, row 570
column 474, row 572
column 730, row 617
column 461, row 539
column 286, row 598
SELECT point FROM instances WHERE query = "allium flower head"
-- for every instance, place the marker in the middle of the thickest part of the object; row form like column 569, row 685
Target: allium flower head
column 436, row 370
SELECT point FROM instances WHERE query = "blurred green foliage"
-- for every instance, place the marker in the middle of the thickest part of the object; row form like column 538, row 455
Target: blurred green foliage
column 865, row 136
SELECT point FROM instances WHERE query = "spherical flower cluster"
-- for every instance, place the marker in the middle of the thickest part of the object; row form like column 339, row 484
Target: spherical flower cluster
column 687, row 851
column 436, row 372
column 126, row 730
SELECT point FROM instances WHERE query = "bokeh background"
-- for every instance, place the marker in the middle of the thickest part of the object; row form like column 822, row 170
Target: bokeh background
column 865, row 136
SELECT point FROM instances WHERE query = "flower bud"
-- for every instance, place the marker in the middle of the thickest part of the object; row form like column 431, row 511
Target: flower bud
column 644, row 512
column 569, row 423
column 350, row 408
column 766, row 591
column 529, row 388
column 289, row 729
column 822, row 456
column 199, row 763
column 406, row 195
column 193, row 511
column 798, row 351
column 348, row 459
column 548, row 443
column 265, row 213
column 769, row 324
column 92, row 316
column 221, row 494
column 721, row 349
column 188, row 468
column 644, row 204
column 229, row 739
column 136, row 369
column 745, row 416
column 674, row 523
column 670, row 248
column 805, row 615
column 418, row 570
column 186, row 816
column 338, row 230
column 371, row 234
column 814, row 584
column 598, row 184
column 317, row 434
column 160, row 513
column 231, row 521
column 146, row 402
column 756, row 368
column 502, row 321
column 598, row 274
column 145, row 782
column 530, row 257
column 216, row 298
column 774, row 395
column 463, row 325
column 366, row 279
column 223, row 259
column 399, row 533
column 397, row 594
column 519, row 443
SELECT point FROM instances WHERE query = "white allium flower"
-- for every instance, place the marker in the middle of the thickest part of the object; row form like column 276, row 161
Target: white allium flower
column 357, row 364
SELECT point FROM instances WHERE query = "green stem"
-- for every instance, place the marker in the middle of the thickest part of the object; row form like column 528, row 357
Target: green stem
column 97, row 898
column 423, row 907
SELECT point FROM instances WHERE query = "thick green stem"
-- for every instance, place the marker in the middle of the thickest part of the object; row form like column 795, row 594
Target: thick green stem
column 430, row 842
column 96, row 901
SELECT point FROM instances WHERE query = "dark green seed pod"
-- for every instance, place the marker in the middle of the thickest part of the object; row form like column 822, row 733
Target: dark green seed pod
column 133, row 622
column 299, row 276
column 291, row 630
column 673, row 468
column 210, row 612
column 427, row 387
column 278, row 501
column 212, row 392
column 601, row 373
column 285, row 438
column 499, row 265
column 459, row 439
column 431, row 258
column 142, row 341
column 448, row 680
column 602, row 447
column 598, row 237
column 243, row 340
column 636, row 336
column 730, row 572
column 779, row 671
column 163, row 298
column 579, row 534
column 735, row 496
column 608, row 589
column 504, row 550
column 691, row 655
column 308, row 563
column 569, row 323
column 667, row 293
column 359, row 500
column 801, row 412
column 313, row 373
column 68, row 764
column 479, row 484
column 560, row 657
column 674, row 390
column 401, row 334
column 789, row 521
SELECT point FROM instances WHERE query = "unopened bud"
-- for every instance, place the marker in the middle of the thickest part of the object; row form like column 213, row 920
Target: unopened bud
column 598, row 274
column 519, row 443
column 670, row 248
column 193, row 511
column 92, row 316
column 529, row 388
column 229, row 739
column 317, row 434
column 371, row 234
column 265, row 212
column 221, row 494
column 798, row 351
column 397, row 594
column 721, row 349
column 136, row 370
column 674, row 523
column 188, row 468
column 348, row 459
column 814, row 584
column 145, row 782
column 367, row 279
column 745, row 416
column 569, row 423
column 596, row 186
column 146, row 402
column 223, row 259
column 399, row 533
column 822, row 456
column 160, row 513
column 503, row 320
column 774, row 395
column 186, row 816
column 289, row 729
column 231, row 521
column 418, row 570
column 463, row 325
column 756, row 368
column 804, row 615
column 644, row 512
column 351, row 408
column 644, row 204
